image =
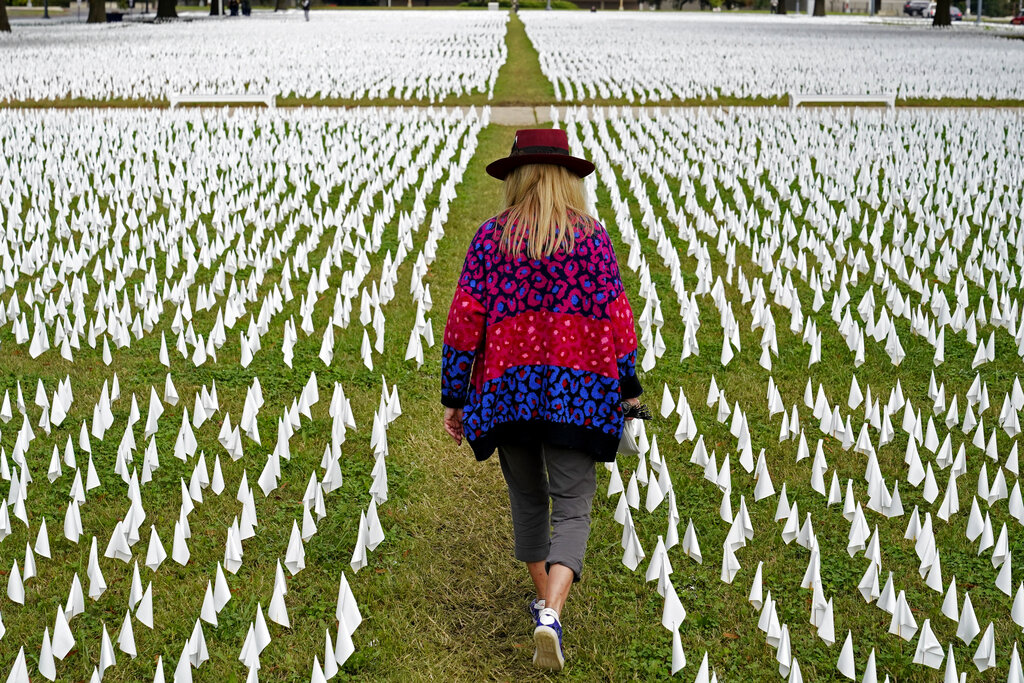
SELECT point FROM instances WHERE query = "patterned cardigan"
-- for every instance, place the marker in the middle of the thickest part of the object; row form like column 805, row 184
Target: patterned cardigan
column 540, row 349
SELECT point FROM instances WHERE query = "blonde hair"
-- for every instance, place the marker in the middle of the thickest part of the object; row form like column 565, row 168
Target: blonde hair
column 544, row 203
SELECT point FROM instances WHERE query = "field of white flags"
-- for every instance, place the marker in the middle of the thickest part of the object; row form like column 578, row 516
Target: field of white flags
column 220, row 449
column 348, row 55
column 657, row 57
column 187, row 302
column 829, row 314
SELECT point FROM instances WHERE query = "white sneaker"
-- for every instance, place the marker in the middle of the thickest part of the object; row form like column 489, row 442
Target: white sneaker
column 547, row 638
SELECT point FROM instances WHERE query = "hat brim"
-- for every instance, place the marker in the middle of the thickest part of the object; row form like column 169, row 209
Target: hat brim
column 502, row 167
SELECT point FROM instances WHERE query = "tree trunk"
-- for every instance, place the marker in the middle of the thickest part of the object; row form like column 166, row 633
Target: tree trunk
column 280, row 5
column 819, row 8
column 215, row 7
column 941, row 17
column 5, row 25
column 166, row 9
column 97, row 12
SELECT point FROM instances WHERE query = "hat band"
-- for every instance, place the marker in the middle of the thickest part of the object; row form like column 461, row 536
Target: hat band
column 539, row 149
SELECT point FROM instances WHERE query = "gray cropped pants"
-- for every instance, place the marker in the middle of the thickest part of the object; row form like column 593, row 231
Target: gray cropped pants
column 550, row 491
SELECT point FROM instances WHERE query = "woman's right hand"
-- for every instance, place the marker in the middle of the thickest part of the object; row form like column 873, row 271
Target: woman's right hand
column 453, row 423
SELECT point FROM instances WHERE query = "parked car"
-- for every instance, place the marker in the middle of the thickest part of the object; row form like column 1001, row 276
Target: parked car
column 915, row 8
column 1019, row 19
column 954, row 12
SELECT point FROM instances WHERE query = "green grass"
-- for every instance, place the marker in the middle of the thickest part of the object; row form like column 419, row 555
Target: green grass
column 719, row 612
column 443, row 597
column 444, row 580
column 479, row 630
column 178, row 591
column 520, row 81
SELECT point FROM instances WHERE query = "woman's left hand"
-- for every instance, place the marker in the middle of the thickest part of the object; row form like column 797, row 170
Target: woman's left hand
column 453, row 423
column 632, row 402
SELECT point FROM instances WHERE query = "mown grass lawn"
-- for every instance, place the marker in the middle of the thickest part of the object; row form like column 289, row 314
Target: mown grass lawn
column 442, row 597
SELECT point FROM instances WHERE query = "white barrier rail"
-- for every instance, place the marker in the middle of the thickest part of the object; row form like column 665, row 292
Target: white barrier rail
column 795, row 99
column 207, row 98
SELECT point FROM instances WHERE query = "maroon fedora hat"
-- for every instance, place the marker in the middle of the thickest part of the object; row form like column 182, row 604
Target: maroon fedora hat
column 540, row 146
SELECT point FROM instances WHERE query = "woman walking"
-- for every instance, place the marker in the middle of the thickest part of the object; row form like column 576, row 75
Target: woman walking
column 539, row 355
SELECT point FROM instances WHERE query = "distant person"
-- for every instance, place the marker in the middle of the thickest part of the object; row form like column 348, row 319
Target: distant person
column 539, row 361
column 515, row 6
column 305, row 8
column 246, row 8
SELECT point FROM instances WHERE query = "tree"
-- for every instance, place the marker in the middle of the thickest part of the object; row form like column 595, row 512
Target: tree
column 97, row 12
column 280, row 5
column 5, row 26
column 166, row 9
column 942, row 17
column 819, row 8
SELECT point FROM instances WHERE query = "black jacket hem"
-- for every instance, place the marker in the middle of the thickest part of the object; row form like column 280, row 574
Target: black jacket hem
column 629, row 387
column 600, row 446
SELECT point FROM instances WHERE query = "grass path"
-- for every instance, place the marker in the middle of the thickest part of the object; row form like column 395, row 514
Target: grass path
column 454, row 608
column 457, row 595
column 520, row 81
column 457, row 592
